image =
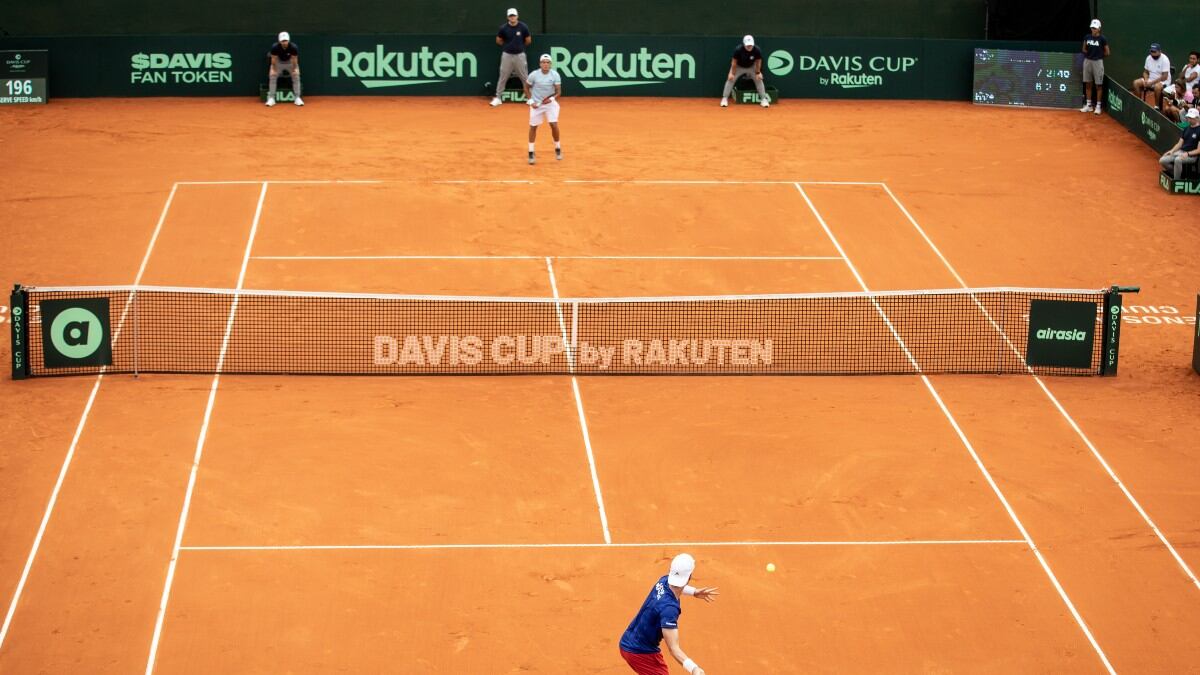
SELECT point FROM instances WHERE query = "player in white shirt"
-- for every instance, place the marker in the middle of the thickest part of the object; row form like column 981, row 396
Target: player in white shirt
column 1155, row 75
column 542, row 91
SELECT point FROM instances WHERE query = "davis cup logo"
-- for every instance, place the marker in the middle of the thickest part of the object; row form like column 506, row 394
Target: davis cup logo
column 780, row 62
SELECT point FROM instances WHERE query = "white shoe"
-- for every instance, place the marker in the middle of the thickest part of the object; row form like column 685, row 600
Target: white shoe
column 724, row 103
column 496, row 101
column 766, row 102
column 1086, row 108
column 270, row 102
column 1097, row 110
column 299, row 101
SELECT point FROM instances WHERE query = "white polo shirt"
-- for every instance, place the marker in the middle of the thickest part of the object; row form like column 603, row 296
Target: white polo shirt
column 1191, row 74
column 1156, row 67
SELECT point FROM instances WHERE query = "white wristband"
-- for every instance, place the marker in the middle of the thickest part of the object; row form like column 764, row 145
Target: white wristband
column 689, row 665
column 689, row 590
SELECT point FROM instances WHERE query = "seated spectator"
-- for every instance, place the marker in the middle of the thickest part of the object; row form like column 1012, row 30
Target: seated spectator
column 1184, row 151
column 1155, row 76
column 1176, row 104
column 1190, row 75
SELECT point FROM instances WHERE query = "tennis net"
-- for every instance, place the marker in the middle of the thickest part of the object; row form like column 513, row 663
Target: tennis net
column 125, row 329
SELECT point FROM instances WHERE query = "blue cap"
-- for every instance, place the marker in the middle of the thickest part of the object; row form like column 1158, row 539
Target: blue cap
column 1154, row 47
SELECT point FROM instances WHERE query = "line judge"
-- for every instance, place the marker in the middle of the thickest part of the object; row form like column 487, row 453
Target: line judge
column 513, row 37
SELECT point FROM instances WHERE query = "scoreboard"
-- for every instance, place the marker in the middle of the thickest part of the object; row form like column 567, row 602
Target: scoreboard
column 1032, row 79
column 23, row 76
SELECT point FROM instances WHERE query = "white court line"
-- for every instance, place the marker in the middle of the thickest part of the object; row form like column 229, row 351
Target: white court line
column 281, row 182
column 665, row 544
column 523, row 181
column 1057, row 404
column 587, row 440
column 1062, row 593
column 87, row 409
column 486, row 182
column 543, row 257
column 714, row 182
column 208, row 408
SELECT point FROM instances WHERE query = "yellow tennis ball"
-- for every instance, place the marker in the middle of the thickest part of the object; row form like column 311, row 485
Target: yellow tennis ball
column 770, row 567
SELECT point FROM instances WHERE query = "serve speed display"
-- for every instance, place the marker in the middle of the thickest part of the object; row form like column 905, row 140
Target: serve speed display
column 23, row 76
column 1032, row 79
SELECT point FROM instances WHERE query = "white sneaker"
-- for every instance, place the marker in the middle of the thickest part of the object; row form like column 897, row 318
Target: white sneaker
column 1086, row 108
column 299, row 101
column 270, row 102
column 1097, row 110
column 766, row 102
column 724, row 103
column 496, row 101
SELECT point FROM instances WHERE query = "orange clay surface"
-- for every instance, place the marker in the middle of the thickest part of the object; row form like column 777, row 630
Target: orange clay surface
column 894, row 553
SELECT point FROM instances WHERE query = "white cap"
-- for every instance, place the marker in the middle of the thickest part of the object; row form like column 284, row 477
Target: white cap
column 1095, row 23
column 284, row 37
column 1193, row 114
column 512, row 11
column 681, row 570
column 544, row 57
column 748, row 40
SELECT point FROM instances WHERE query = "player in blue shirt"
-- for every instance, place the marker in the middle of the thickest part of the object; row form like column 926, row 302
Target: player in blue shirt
column 658, row 620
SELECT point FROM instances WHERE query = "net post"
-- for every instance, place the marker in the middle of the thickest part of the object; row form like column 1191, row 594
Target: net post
column 1110, row 349
column 136, row 341
column 18, row 313
column 1196, row 343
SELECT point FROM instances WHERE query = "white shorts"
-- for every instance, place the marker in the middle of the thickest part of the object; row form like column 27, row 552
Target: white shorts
column 545, row 111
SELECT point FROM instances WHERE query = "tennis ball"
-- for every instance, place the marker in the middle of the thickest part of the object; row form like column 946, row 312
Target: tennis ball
column 770, row 567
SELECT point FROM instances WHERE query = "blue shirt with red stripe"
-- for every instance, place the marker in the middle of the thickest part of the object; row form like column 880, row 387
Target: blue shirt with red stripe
column 660, row 610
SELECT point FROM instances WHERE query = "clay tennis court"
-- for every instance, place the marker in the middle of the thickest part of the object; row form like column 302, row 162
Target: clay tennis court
column 182, row 523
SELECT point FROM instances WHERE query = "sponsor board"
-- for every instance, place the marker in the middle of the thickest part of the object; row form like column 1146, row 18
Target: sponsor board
column 1183, row 186
column 383, row 66
column 181, row 68
column 600, row 67
column 1061, row 333
column 75, row 332
column 840, row 70
column 449, row 352
column 1115, row 102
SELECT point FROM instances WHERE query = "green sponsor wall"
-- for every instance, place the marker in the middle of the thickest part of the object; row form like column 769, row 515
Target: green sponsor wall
column 447, row 65
column 1131, row 25
column 1143, row 120
column 810, row 18
column 864, row 18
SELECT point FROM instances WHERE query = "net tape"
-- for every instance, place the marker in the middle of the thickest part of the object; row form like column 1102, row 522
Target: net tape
column 193, row 330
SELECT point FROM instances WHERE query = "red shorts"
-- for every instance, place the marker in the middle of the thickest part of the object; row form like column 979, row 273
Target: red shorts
column 646, row 664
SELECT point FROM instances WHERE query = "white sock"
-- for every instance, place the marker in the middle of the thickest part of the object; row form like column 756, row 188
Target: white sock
column 557, row 145
column 531, row 147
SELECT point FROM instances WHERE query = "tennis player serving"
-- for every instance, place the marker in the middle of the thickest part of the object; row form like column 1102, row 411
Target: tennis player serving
column 542, row 91
column 658, row 620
